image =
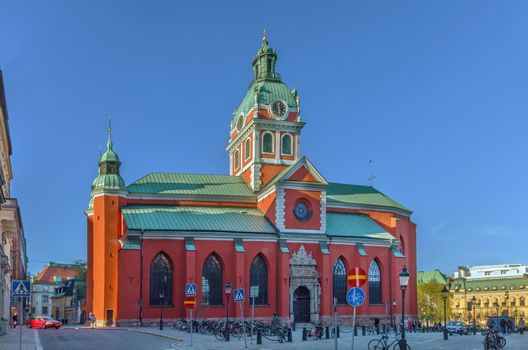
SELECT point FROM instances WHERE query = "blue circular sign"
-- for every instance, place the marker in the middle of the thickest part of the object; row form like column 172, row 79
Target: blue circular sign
column 355, row 296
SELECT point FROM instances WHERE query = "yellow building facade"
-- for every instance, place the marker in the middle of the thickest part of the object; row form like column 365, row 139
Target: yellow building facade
column 488, row 291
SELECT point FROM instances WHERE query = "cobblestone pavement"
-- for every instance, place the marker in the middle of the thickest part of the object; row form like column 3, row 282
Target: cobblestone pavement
column 151, row 338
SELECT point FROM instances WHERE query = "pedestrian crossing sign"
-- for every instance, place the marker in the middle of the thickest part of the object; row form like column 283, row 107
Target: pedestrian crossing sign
column 21, row 288
column 190, row 290
column 238, row 294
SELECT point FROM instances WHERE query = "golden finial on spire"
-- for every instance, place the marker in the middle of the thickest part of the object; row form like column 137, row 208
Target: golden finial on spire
column 264, row 36
column 109, row 124
column 264, row 39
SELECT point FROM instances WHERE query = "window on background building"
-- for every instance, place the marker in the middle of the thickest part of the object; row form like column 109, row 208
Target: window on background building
column 374, row 283
column 237, row 159
column 45, row 298
column 340, row 281
column 287, row 144
column 161, row 281
column 521, row 301
column 247, row 149
column 44, row 310
column 267, row 143
column 258, row 276
column 212, row 281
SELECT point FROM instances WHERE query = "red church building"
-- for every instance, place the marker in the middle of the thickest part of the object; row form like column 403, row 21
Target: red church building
column 274, row 222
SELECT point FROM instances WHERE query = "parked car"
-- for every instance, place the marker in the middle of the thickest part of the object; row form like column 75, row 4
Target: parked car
column 43, row 322
column 456, row 327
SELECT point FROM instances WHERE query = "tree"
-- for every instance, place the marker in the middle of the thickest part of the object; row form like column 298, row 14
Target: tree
column 431, row 302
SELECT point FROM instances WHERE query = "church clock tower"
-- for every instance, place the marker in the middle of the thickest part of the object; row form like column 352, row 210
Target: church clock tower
column 266, row 127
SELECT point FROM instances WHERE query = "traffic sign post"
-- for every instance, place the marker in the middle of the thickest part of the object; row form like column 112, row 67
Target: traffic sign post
column 355, row 297
column 21, row 289
column 239, row 297
column 356, row 277
column 190, row 302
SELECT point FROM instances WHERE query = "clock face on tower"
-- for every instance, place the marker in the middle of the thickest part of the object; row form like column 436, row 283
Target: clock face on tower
column 279, row 109
column 301, row 211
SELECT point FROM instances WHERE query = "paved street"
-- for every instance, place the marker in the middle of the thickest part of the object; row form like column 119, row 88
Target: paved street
column 151, row 338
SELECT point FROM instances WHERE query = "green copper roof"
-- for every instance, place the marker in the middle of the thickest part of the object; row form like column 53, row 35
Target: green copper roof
column 202, row 219
column 428, row 276
column 360, row 195
column 269, row 91
column 109, row 155
column 192, row 184
column 498, row 283
column 354, row 226
column 108, row 182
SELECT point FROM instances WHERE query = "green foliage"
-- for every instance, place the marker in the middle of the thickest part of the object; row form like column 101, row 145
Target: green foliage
column 431, row 303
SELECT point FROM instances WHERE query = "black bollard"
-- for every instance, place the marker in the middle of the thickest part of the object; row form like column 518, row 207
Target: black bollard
column 290, row 335
column 304, row 334
column 293, row 326
column 338, row 331
column 363, row 331
column 259, row 337
column 327, row 333
column 355, row 331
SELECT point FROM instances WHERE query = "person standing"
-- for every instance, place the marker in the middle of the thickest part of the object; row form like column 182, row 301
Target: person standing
column 521, row 325
column 15, row 319
column 503, row 325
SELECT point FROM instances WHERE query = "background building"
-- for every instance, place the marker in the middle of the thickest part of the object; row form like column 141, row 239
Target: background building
column 494, row 290
column 44, row 283
column 13, row 258
column 274, row 222
column 67, row 302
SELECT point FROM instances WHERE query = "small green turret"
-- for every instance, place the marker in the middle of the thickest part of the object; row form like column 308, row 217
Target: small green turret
column 109, row 178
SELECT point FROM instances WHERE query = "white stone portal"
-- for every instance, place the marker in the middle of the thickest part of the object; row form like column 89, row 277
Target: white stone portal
column 303, row 273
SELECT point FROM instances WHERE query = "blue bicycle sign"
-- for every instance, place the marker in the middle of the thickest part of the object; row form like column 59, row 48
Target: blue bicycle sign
column 355, row 296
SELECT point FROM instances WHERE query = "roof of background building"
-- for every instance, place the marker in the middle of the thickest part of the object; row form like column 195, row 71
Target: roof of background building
column 428, row 276
column 46, row 276
column 205, row 219
column 354, row 225
column 491, row 284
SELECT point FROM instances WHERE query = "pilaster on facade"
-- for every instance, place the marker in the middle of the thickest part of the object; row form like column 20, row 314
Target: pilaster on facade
column 280, row 209
column 323, row 211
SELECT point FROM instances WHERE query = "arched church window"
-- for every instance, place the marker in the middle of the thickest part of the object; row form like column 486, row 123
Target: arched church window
column 374, row 283
column 161, row 281
column 247, row 149
column 267, row 142
column 287, row 144
column 212, row 281
column 236, row 159
column 340, row 281
column 258, row 276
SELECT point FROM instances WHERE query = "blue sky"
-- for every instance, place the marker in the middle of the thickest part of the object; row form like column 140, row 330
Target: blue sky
column 435, row 93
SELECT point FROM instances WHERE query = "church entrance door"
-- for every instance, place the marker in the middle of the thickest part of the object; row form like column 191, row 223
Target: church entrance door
column 301, row 305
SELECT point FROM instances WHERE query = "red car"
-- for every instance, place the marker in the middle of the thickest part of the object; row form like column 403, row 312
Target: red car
column 43, row 322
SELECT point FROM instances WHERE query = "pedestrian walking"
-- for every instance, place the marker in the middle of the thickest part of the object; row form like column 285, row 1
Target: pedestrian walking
column 503, row 325
column 91, row 317
column 15, row 319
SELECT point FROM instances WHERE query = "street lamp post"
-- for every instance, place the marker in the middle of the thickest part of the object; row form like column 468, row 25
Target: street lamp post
column 404, row 281
column 228, row 287
column 445, row 293
column 473, row 303
column 393, row 312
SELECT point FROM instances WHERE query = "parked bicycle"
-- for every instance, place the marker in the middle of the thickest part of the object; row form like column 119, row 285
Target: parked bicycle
column 493, row 341
column 384, row 344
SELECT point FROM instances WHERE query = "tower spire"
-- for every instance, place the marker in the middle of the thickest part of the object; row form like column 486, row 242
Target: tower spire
column 109, row 144
column 264, row 39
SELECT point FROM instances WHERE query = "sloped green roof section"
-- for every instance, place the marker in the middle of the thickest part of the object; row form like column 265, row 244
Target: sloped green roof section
column 361, row 195
column 498, row 283
column 428, row 276
column 354, row 226
column 191, row 184
column 202, row 219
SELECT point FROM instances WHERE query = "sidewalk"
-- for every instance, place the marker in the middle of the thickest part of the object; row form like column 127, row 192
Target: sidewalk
column 11, row 340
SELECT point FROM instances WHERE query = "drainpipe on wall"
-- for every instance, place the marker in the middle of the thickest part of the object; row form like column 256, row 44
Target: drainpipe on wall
column 140, row 301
